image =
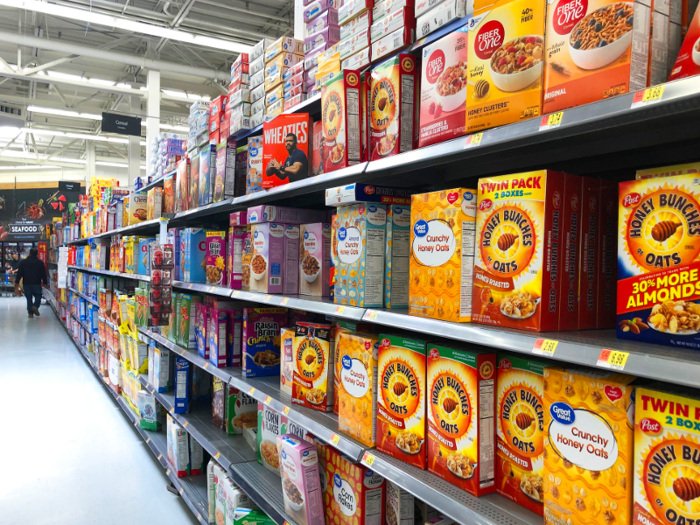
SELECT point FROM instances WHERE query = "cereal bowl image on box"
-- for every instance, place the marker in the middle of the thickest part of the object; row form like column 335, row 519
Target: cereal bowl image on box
column 258, row 267
column 696, row 52
column 518, row 63
column 310, row 268
column 602, row 36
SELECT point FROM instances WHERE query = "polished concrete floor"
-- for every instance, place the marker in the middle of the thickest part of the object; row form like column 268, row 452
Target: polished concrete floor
column 68, row 453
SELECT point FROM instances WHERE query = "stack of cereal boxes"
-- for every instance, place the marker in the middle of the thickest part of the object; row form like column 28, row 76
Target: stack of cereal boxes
column 393, row 27
column 433, row 14
column 238, row 109
column 321, row 32
column 355, row 19
column 280, row 56
column 256, row 73
column 217, row 115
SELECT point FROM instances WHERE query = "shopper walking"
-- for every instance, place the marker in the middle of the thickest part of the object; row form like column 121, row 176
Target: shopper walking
column 33, row 271
column 14, row 265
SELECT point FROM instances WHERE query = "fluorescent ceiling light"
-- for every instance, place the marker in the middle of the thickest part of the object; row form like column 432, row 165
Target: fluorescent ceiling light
column 30, row 167
column 81, row 136
column 185, row 96
column 62, row 112
column 128, row 25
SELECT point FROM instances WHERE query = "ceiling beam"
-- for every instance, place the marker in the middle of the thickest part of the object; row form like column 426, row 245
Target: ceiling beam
column 46, row 79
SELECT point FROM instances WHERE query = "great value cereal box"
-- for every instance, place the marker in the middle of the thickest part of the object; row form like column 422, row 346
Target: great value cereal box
column 442, row 254
column 286, row 152
column 315, row 259
column 658, row 260
column 301, row 484
column 397, row 255
column 314, row 368
column 340, row 115
column 460, row 389
column 588, row 446
column 255, row 165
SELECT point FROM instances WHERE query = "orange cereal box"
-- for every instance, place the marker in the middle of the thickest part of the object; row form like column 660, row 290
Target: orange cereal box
column 520, row 431
column 340, row 348
column 313, row 370
column 401, row 401
column 518, row 254
column 442, row 254
column 666, row 458
column 505, row 62
column 460, row 390
column 340, row 115
column 594, row 49
column 658, row 261
column 589, row 417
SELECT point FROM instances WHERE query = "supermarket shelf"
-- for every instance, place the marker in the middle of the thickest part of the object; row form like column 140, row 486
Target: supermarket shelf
column 202, row 211
column 113, row 274
column 140, row 227
column 439, row 33
column 203, row 288
column 449, row 499
column 263, row 487
column 88, row 299
column 319, row 305
column 156, row 183
column 81, row 323
column 193, row 490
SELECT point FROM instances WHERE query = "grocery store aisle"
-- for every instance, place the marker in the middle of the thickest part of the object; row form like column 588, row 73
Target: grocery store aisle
column 69, row 454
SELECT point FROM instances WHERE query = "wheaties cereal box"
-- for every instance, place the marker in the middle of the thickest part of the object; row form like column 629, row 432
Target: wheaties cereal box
column 460, row 391
column 520, row 431
column 658, row 257
column 589, row 417
column 402, row 398
column 505, row 62
column 286, row 151
column 340, row 114
column 666, row 458
column 518, row 253
column 392, row 106
column 313, row 371
column 668, row 171
column 442, row 254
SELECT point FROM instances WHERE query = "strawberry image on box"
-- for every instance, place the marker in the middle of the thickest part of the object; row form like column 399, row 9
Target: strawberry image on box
column 285, row 157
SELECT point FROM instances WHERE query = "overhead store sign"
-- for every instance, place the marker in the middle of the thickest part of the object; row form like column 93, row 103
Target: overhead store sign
column 25, row 231
column 121, row 124
column 69, row 186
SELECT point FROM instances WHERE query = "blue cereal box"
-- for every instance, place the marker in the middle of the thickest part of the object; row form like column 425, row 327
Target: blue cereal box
column 397, row 253
column 261, row 341
column 193, row 244
column 144, row 267
column 182, row 385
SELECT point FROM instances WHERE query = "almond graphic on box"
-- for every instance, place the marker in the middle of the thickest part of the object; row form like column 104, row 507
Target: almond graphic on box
column 523, row 420
column 663, row 230
column 686, row 489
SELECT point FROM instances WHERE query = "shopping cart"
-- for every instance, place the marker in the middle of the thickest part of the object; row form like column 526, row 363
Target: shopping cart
column 7, row 287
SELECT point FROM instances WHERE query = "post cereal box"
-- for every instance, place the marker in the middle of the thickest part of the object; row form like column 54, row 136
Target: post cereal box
column 518, row 229
column 261, row 341
column 313, row 371
column 402, row 398
column 442, row 247
column 286, row 152
column 506, row 57
column 443, row 89
column 392, row 106
column 589, row 417
column 315, row 259
column 460, row 393
column 666, row 452
column 520, row 431
column 340, row 114
column 658, row 258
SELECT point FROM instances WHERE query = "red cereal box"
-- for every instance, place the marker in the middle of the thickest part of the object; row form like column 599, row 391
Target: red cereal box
column 588, row 244
column 571, row 227
column 688, row 61
column 285, row 157
column 340, row 107
column 317, row 149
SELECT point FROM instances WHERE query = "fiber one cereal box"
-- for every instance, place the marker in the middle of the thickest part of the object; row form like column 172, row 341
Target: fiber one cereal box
column 301, row 483
column 402, row 397
column 460, row 393
column 360, row 240
column 520, row 431
column 392, row 106
column 594, row 49
column 589, row 417
column 314, row 368
column 286, row 153
column 506, row 58
column 353, row 494
column 214, row 260
column 666, row 451
column 442, row 248
column 397, row 255
column 443, row 89
column 261, row 340
column 340, row 115
column 315, row 259
column 518, row 231
column 668, row 171
column 357, row 399
column 659, row 261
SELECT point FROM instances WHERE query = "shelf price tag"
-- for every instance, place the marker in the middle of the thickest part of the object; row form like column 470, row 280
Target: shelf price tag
column 368, row 459
column 545, row 347
column 285, row 411
column 217, row 455
column 340, row 310
column 167, row 472
column 335, row 439
column 181, row 491
column 648, row 96
column 160, row 456
column 612, row 359
column 206, row 365
column 186, row 423
column 285, row 300
column 251, row 391
column 372, row 316
column 267, row 298
column 172, row 410
column 236, row 293
column 473, row 140
column 267, row 400
column 551, row 121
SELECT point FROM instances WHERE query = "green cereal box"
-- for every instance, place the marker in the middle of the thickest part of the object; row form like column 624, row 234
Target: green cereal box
column 186, row 318
column 141, row 306
column 173, row 319
column 360, row 234
column 397, row 254
column 241, row 411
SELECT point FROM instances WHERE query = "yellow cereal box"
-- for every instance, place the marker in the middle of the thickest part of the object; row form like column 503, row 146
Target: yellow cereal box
column 340, row 348
column 669, row 171
column 589, row 417
column 313, row 370
column 357, row 399
column 460, row 390
column 401, row 401
column 520, row 431
column 666, row 459
column 442, row 248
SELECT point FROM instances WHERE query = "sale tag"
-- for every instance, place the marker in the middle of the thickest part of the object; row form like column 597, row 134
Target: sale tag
column 267, row 298
column 335, row 439
column 267, row 400
column 473, row 140
column 648, row 96
column 285, row 300
column 551, row 121
column 368, row 459
column 167, row 472
column 372, row 316
column 251, row 391
column 612, row 359
column 172, row 410
column 285, row 411
column 545, row 347
column 340, row 310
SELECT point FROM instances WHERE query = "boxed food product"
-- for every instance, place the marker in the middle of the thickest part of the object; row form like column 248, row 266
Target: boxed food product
column 314, row 368
column 261, row 340
column 214, row 258
column 274, row 109
column 193, row 182
column 286, row 149
column 216, row 337
column 397, row 254
column 668, row 171
column 399, row 505
column 401, row 405
column 256, row 66
column 268, row 213
column 244, row 516
column 352, row 9
column 688, row 60
column 392, row 106
column 322, row 38
column 149, row 410
column 595, row 50
column 186, row 320
column 201, row 325
column 258, row 50
column 271, row 425
column 657, row 295
column 443, row 95
column 325, row 19
column 353, row 44
column 301, row 484
column 162, row 369
column 241, row 411
column 357, row 24
column 169, row 183
column 234, row 332
column 340, row 110
column 237, row 98
column 178, row 448
column 154, row 204
column 138, row 208
column 285, row 44
column 257, row 93
column 505, row 62
column 269, row 266
column 183, row 175
column 196, row 457
column 218, row 403
column 315, row 259
column 357, row 192
column 358, row 61
column 183, row 377
column 287, row 360
column 395, row 20
column 588, row 447
column 214, row 473
column 589, row 256
column 255, row 164
column 520, row 431
column 235, row 498
column 274, row 95
column 193, row 253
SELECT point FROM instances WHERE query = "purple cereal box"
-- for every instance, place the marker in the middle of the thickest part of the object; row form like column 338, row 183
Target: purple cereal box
column 236, row 243
column 201, row 324
column 261, row 341
column 267, row 263
column 216, row 335
column 215, row 258
column 301, row 482
column 265, row 213
column 290, row 271
column 315, row 259
column 234, row 333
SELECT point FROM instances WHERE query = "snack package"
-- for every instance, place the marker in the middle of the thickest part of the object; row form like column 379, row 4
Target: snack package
column 314, row 368
column 183, row 379
column 286, row 153
column 301, row 484
column 182, row 188
column 261, row 340
column 186, row 336
column 138, row 208
column 236, row 244
column 315, row 259
column 193, row 182
column 340, row 115
column 218, row 403
column 149, row 410
column 217, row 337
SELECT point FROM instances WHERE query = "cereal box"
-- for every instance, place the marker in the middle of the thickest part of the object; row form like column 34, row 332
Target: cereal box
column 286, row 155
column 400, row 505
column 287, row 360
column 570, row 238
column 357, row 192
column 397, row 253
column 241, row 411
column 138, row 208
column 317, row 149
column 267, row 213
column 588, row 446
column 668, row 171
column 218, row 403
column 658, row 261
column 234, row 330
column 589, row 255
column 401, row 404
column 595, row 50
column 186, row 320
column 178, row 448
column 353, row 494
column 314, row 367
column 505, row 63
column 301, row 484
column 193, row 184
column 392, row 106
column 340, row 115
column 169, row 183
column 442, row 249
column 460, row 391
column 518, row 253
column 268, row 265
column 201, row 325
column 315, row 259
column 154, row 203
column 607, row 268
column 181, row 186
column 255, row 163
column 520, row 431
column 339, row 350
column 234, row 263
column 261, row 341
column 216, row 336
column 193, row 253
column 357, row 399
column 271, row 425
column 207, row 174
column 246, row 259
column 443, row 90
column 214, row 259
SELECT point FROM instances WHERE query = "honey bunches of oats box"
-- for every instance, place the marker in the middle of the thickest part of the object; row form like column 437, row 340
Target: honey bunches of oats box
column 398, row 253
column 314, row 368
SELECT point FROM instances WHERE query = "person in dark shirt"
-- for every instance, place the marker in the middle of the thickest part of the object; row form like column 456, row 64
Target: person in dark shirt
column 296, row 167
column 33, row 271
column 14, row 266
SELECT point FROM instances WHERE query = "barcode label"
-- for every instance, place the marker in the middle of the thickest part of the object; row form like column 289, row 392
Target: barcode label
column 275, row 281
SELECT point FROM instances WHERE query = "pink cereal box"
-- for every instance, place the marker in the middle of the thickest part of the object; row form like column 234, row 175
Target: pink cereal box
column 315, row 259
column 301, row 483
column 215, row 258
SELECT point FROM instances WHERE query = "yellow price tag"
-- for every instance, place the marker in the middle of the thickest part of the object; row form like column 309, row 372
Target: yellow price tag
column 335, row 439
column 285, row 411
column 217, row 455
column 160, row 456
column 545, row 347
column 340, row 310
column 186, row 423
column 612, row 359
column 285, row 300
column 653, row 93
column 267, row 400
column 181, row 491
column 372, row 316
column 473, row 140
column 368, row 459
column 206, row 365
column 251, row 391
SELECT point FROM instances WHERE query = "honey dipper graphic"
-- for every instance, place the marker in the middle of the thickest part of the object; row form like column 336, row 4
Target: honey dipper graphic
column 449, row 405
column 399, row 388
column 663, row 230
column 523, row 420
column 309, row 359
column 686, row 489
column 506, row 240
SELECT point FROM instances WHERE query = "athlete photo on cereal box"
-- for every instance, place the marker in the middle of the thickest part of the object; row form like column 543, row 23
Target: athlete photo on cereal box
column 286, row 151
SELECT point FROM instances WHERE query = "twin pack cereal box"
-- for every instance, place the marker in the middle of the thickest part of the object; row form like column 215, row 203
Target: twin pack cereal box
column 442, row 248
column 340, row 115
column 313, row 369
column 274, row 266
column 286, row 151
column 460, row 388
